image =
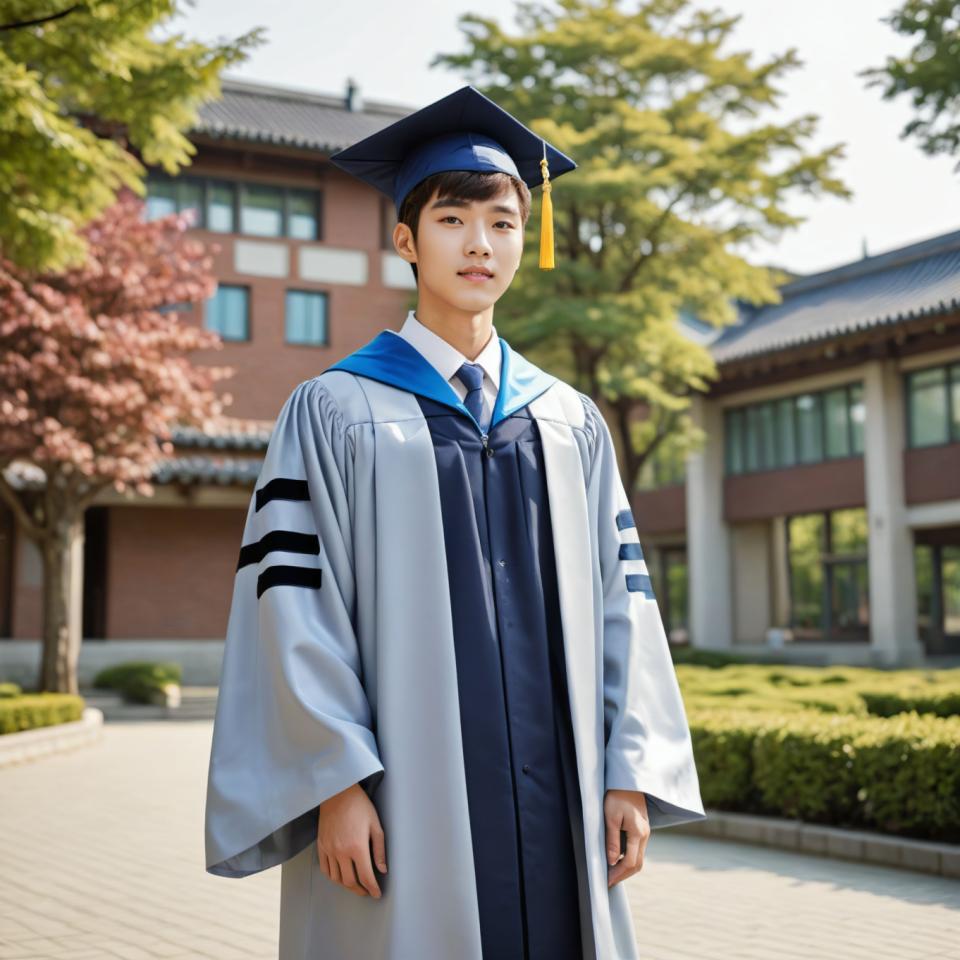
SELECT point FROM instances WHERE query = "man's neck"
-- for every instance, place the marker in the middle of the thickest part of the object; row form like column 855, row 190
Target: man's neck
column 468, row 333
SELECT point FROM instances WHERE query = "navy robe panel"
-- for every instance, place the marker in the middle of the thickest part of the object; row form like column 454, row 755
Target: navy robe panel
column 517, row 735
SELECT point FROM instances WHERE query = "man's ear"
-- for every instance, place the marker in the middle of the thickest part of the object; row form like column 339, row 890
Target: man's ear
column 403, row 242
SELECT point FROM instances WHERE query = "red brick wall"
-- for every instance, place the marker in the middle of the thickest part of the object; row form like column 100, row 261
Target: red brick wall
column 171, row 571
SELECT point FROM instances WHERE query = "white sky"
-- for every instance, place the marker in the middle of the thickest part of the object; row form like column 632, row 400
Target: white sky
column 899, row 194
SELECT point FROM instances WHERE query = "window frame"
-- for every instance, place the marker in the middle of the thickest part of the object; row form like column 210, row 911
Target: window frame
column 325, row 295
column 248, row 312
column 238, row 188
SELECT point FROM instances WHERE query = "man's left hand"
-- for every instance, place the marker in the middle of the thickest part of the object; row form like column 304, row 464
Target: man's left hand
column 625, row 810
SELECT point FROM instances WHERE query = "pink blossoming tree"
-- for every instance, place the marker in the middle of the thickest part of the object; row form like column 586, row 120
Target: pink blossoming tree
column 93, row 375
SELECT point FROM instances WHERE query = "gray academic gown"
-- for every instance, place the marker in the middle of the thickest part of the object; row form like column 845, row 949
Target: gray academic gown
column 395, row 604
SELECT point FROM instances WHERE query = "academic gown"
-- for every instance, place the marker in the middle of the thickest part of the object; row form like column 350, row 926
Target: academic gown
column 462, row 622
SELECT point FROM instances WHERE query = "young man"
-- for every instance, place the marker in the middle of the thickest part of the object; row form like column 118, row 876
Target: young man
column 443, row 650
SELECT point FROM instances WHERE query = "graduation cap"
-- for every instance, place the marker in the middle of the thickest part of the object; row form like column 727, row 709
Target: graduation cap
column 462, row 131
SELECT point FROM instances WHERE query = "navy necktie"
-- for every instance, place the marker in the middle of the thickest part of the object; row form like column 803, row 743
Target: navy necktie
column 471, row 376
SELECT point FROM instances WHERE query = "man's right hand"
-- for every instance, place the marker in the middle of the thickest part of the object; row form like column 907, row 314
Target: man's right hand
column 348, row 823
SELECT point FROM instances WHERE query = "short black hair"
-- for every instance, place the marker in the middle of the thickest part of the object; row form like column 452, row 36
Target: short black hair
column 461, row 185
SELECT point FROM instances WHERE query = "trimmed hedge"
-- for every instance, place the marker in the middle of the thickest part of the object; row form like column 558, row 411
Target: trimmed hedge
column 139, row 680
column 33, row 710
column 898, row 775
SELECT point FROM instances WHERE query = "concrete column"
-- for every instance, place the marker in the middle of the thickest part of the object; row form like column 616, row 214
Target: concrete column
column 708, row 539
column 893, row 593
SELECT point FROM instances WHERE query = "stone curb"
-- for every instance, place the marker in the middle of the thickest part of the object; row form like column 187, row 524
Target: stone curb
column 861, row 846
column 30, row 744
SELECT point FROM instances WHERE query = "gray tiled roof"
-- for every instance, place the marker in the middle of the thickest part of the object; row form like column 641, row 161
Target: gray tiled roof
column 286, row 116
column 215, row 470
column 917, row 280
column 232, row 434
column 221, row 471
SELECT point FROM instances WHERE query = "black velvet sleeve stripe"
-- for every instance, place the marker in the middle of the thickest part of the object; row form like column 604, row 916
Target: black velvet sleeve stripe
column 288, row 540
column 631, row 551
column 625, row 519
column 282, row 488
column 288, row 576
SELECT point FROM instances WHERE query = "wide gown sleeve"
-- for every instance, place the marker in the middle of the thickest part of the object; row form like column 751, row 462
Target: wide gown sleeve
column 648, row 745
column 293, row 722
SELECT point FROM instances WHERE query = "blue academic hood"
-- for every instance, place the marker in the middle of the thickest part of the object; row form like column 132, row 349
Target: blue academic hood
column 390, row 359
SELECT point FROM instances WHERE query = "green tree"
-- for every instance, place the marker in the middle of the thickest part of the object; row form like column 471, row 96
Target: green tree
column 930, row 72
column 675, row 172
column 81, row 84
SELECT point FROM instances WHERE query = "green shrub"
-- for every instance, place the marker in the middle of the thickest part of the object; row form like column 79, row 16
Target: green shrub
column 139, row 680
column 9, row 689
column 898, row 775
column 38, row 710
column 889, row 703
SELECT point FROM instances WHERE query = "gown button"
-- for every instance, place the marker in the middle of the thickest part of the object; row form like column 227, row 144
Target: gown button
column 526, row 768
column 489, row 451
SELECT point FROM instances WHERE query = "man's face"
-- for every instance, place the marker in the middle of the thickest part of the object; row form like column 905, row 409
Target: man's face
column 454, row 236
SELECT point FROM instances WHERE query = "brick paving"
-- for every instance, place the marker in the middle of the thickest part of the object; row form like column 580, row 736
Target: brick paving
column 102, row 853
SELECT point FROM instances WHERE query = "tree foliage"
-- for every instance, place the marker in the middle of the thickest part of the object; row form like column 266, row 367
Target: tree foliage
column 82, row 86
column 929, row 73
column 676, row 172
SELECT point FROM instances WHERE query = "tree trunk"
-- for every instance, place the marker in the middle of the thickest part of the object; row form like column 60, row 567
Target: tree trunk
column 62, row 551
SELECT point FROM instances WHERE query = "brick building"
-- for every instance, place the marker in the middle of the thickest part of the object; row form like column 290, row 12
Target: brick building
column 822, row 516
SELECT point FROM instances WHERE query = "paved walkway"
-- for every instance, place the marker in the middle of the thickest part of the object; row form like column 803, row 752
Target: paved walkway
column 102, row 853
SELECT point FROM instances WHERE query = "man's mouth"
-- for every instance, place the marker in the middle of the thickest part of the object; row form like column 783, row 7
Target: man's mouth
column 476, row 274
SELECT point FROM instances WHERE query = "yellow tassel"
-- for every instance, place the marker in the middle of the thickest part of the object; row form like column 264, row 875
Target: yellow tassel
column 546, row 219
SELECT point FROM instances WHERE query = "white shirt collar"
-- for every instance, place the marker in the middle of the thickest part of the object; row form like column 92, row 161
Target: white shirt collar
column 446, row 358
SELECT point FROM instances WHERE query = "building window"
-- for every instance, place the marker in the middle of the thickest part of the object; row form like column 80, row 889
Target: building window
column 806, row 428
column 827, row 563
column 224, row 206
column 937, row 569
column 302, row 217
column 933, row 406
column 306, row 317
column 228, row 312
column 674, row 594
column 221, row 207
column 261, row 210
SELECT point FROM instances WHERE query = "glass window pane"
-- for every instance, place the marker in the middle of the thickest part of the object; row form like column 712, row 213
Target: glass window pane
column 734, row 431
column 923, row 571
column 220, row 207
column 768, row 436
column 955, row 401
column 809, row 431
column 848, row 531
column 806, row 537
column 262, row 211
column 161, row 198
column 752, row 426
column 677, row 580
column 928, row 407
column 858, row 415
column 950, row 564
column 850, row 609
column 306, row 317
column 835, row 409
column 191, row 198
column 228, row 312
column 787, row 455
column 302, row 209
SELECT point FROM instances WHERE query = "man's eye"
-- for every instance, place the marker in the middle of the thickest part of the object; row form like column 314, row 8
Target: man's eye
column 450, row 217
column 505, row 223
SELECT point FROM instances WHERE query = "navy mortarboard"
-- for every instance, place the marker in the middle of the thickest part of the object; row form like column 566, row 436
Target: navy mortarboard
column 463, row 131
